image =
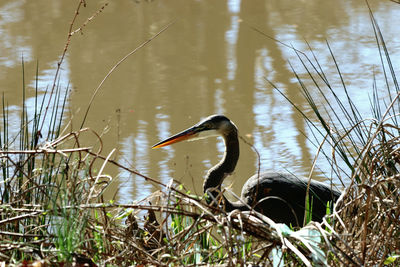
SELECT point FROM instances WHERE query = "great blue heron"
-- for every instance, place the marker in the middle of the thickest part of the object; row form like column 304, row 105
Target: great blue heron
column 279, row 196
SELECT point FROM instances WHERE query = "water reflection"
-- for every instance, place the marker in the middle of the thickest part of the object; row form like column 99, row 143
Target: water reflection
column 12, row 46
column 209, row 61
column 135, row 149
column 231, row 37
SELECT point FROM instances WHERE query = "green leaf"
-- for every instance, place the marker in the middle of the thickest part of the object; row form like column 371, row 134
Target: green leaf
column 311, row 238
column 391, row 259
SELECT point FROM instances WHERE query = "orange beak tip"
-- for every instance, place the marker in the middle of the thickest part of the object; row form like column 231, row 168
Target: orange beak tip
column 174, row 139
column 157, row 146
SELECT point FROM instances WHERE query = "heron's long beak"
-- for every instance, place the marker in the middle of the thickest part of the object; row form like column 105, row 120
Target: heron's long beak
column 184, row 135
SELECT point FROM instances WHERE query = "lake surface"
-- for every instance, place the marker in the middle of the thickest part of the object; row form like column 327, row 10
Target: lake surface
column 216, row 57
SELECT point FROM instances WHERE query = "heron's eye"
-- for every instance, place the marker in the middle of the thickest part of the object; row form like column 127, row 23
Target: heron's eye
column 207, row 126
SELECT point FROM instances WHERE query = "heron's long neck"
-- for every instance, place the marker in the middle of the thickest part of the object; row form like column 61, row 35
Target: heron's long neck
column 226, row 166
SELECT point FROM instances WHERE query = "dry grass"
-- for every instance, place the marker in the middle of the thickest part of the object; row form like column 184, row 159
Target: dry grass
column 368, row 231
column 181, row 229
column 56, row 212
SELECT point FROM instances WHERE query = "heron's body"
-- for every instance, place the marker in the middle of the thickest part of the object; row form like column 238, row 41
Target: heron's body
column 282, row 197
column 279, row 196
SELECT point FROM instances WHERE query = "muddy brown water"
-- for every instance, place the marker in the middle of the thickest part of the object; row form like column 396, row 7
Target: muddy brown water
column 215, row 58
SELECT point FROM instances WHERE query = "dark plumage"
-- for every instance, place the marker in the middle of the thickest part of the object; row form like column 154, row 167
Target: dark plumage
column 279, row 196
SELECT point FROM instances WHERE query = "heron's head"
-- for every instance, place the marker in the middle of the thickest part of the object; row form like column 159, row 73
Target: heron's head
column 214, row 125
